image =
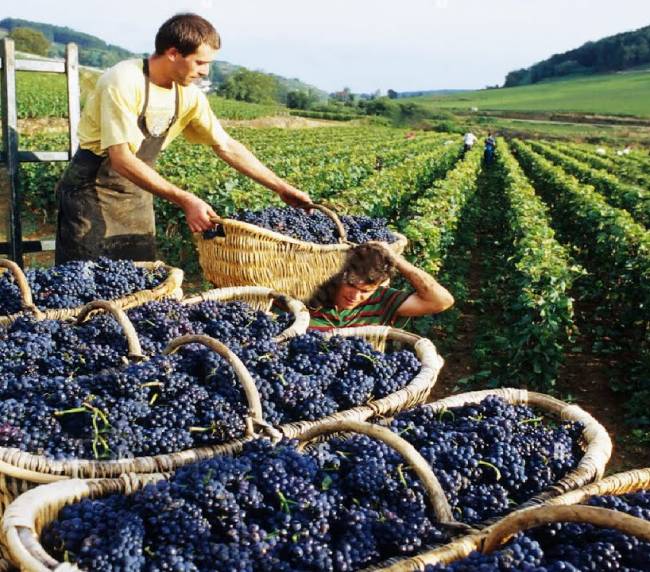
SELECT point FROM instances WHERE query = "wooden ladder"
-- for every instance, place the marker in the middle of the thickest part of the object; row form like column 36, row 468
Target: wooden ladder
column 11, row 156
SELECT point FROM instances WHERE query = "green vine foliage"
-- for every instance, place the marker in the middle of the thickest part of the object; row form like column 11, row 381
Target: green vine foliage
column 533, row 276
column 615, row 250
column 436, row 210
column 633, row 199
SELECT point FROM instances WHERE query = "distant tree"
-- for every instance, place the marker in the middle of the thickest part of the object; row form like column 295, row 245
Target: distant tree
column 392, row 94
column 251, row 86
column 301, row 99
column 31, row 41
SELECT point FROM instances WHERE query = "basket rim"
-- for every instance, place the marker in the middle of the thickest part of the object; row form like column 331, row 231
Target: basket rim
column 14, row 462
column 167, row 287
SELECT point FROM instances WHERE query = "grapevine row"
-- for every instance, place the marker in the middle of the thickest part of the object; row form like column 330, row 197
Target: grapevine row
column 633, row 199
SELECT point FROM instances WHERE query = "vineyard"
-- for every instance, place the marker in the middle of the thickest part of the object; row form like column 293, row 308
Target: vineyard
column 546, row 252
column 212, row 417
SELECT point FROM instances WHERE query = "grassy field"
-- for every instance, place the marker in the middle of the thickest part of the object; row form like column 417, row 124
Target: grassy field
column 607, row 94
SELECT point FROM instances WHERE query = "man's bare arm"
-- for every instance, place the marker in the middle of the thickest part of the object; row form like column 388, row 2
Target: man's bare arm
column 124, row 162
column 242, row 159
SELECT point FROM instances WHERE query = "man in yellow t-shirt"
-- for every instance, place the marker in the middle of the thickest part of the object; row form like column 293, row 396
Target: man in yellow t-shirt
column 136, row 109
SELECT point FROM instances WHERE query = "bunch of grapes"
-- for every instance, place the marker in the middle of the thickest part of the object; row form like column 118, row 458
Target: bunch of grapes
column 315, row 227
column 78, row 282
column 341, row 505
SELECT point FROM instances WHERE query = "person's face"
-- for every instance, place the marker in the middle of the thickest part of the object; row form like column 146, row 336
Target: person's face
column 349, row 296
column 186, row 69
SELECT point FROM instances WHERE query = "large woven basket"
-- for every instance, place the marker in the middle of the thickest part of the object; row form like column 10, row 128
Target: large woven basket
column 20, row 471
column 169, row 288
column 31, row 512
column 597, row 451
column 248, row 255
column 564, row 508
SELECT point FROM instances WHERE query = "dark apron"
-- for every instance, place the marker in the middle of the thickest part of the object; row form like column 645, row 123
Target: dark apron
column 102, row 213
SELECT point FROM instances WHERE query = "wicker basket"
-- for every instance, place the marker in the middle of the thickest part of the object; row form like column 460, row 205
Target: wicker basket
column 170, row 288
column 20, row 471
column 416, row 392
column 597, row 444
column 560, row 509
column 249, row 255
column 261, row 299
column 28, row 515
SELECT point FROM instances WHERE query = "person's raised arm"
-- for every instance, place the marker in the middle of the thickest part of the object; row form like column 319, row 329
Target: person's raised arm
column 242, row 159
column 429, row 296
column 197, row 211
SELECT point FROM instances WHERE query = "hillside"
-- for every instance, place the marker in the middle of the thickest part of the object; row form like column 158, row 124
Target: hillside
column 609, row 94
column 614, row 53
column 95, row 52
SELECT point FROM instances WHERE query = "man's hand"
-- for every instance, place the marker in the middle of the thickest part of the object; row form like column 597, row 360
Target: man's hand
column 295, row 198
column 197, row 213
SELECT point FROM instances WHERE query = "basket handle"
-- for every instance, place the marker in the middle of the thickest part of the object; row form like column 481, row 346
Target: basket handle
column 343, row 235
column 521, row 520
column 424, row 472
column 26, row 300
column 132, row 340
column 255, row 416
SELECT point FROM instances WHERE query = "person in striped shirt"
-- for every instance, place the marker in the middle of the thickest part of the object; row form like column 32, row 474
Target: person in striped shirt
column 356, row 295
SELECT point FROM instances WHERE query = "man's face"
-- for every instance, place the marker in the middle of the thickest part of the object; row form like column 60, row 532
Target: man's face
column 186, row 69
column 349, row 296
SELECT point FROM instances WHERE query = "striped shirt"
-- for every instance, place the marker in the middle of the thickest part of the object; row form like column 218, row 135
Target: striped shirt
column 378, row 310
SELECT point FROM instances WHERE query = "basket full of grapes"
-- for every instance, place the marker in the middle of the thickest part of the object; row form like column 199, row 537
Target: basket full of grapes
column 285, row 248
column 153, row 388
column 348, row 496
column 61, row 292
column 602, row 526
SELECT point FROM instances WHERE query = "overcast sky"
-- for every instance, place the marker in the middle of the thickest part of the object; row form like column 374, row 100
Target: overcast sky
column 366, row 45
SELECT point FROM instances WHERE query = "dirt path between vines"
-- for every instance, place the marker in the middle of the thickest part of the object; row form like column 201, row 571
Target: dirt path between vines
column 459, row 362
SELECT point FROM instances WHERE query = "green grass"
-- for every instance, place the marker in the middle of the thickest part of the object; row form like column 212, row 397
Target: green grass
column 610, row 94
column 231, row 109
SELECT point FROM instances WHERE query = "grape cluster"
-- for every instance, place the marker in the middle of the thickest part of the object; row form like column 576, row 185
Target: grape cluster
column 315, row 227
column 506, row 452
column 78, row 282
column 570, row 547
column 342, row 505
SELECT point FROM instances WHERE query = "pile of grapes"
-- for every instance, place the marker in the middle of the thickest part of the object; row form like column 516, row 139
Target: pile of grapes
column 341, row 505
column 66, row 393
column 569, row 547
column 315, row 227
column 78, row 282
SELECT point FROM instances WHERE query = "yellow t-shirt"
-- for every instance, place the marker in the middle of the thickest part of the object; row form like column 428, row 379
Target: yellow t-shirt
column 110, row 116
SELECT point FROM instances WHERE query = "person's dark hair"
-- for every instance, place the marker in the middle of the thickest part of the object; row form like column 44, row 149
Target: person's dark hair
column 186, row 32
column 364, row 264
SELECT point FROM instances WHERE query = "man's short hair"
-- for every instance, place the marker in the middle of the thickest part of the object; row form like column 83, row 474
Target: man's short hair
column 186, row 32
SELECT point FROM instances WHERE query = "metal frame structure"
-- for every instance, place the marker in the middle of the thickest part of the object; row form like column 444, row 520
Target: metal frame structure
column 11, row 156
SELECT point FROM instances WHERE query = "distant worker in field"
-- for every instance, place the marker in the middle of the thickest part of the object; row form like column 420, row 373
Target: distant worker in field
column 489, row 149
column 136, row 109
column 356, row 296
column 468, row 141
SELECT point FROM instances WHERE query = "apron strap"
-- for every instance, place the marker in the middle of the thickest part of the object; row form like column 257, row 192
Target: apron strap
column 142, row 122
